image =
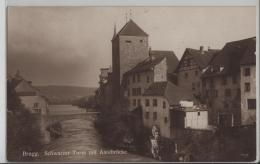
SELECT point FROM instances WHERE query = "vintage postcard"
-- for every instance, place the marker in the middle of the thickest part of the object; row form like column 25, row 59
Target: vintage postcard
column 131, row 84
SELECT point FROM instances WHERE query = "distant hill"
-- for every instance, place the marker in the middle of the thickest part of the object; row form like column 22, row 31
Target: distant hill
column 65, row 94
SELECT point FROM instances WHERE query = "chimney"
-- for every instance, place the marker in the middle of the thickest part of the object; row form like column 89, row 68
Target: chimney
column 201, row 49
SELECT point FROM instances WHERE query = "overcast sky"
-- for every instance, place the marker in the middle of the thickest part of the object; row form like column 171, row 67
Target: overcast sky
column 68, row 45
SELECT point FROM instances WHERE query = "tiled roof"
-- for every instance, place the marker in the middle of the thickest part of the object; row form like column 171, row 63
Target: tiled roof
column 131, row 29
column 155, row 58
column 228, row 60
column 171, row 59
column 174, row 94
column 145, row 65
column 202, row 58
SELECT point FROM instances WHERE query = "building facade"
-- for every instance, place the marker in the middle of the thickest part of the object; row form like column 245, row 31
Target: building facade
column 222, row 83
column 190, row 68
column 158, row 101
column 30, row 97
column 248, row 90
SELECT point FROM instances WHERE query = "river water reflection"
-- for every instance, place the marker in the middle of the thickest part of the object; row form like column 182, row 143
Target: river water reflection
column 79, row 135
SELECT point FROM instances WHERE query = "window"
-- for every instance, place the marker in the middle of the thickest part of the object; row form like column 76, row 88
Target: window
column 36, row 105
column 193, row 86
column 133, row 78
column 147, row 115
column 154, row 116
column 196, row 73
column 247, row 71
column 128, row 92
column 147, row 102
column 198, row 113
column 251, row 103
column 224, row 80
column 165, row 119
column 238, row 92
column 128, row 81
column 188, row 62
column 134, row 102
column 211, row 82
column 198, row 84
column 133, row 91
column 186, row 75
column 204, row 83
column 154, row 102
column 139, row 91
column 139, row 102
column 128, row 41
column 247, row 87
column 234, row 79
column 225, row 104
column 148, row 79
column 164, row 104
column 207, row 93
column 136, row 91
column 227, row 92
column 141, row 41
column 138, row 77
column 215, row 93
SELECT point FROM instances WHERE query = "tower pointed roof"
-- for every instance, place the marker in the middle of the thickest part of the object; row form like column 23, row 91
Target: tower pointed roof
column 131, row 29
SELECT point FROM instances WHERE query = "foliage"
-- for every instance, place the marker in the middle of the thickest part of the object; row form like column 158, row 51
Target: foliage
column 22, row 129
column 120, row 128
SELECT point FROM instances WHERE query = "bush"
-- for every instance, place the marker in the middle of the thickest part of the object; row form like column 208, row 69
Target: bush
column 22, row 135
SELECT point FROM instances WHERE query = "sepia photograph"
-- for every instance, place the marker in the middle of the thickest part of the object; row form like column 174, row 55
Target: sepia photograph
column 131, row 84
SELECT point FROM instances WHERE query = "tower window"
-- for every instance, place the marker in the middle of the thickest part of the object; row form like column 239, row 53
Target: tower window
column 247, row 87
column 247, row 72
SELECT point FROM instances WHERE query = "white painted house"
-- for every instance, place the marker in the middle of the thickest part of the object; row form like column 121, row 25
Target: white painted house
column 188, row 115
column 30, row 96
column 159, row 100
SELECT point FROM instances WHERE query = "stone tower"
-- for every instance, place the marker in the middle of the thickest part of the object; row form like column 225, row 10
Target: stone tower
column 129, row 47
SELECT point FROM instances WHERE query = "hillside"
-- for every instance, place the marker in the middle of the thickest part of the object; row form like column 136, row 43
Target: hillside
column 65, row 94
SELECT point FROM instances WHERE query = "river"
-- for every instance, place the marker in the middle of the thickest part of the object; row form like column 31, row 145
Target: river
column 80, row 142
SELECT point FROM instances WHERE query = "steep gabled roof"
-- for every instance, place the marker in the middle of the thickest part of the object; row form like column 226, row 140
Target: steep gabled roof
column 228, row 60
column 173, row 93
column 171, row 59
column 145, row 65
column 131, row 29
column 202, row 58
